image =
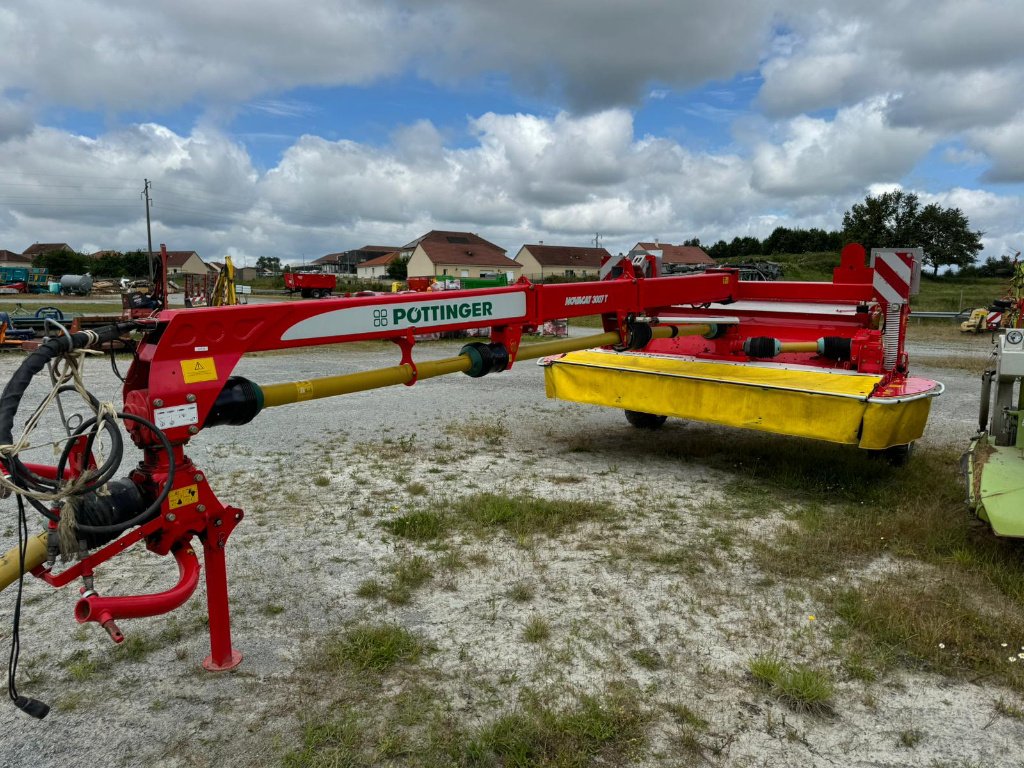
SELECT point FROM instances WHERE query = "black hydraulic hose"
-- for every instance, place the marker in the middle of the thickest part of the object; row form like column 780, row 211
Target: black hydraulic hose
column 105, row 473
column 10, row 399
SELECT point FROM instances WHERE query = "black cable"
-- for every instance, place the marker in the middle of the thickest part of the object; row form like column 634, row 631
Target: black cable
column 33, row 707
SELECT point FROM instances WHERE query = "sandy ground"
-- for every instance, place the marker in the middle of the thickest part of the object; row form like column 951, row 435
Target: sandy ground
column 297, row 559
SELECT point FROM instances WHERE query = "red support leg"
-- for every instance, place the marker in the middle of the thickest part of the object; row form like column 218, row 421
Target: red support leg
column 222, row 655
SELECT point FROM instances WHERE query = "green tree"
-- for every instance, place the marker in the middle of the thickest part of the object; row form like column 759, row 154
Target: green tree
column 110, row 264
column 63, row 263
column 895, row 219
column 136, row 263
column 947, row 238
column 889, row 220
column 399, row 268
column 268, row 264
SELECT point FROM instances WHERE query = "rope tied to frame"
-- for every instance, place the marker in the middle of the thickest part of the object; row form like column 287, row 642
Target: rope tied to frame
column 69, row 369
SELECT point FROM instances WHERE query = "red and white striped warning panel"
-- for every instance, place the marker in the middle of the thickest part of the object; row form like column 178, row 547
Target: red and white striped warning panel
column 994, row 319
column 897, row 273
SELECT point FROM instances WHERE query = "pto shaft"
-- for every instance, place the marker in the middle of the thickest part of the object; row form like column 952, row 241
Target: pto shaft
column 329, row 386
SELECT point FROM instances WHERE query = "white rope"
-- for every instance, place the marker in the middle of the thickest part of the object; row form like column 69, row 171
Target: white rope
column 71, row 372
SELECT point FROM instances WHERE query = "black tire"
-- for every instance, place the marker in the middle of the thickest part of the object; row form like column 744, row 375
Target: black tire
column 315, row 293
column 304, row 293
column 895, row 455
column 642, row 420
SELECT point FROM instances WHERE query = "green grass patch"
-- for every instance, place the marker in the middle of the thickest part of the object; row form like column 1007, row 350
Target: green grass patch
column 800, row 687
column 376, row 647
column 525, row 516
column 414, row 729
column 954, row 624
column 419, row 526
column 521, row 591
column 687, row 560
column 604, row 730
column 537, row 630
column 491, row 431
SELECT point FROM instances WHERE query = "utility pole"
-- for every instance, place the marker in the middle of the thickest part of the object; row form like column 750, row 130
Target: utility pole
column 149, row 232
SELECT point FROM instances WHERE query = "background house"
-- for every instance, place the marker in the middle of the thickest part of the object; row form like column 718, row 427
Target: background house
column 185, row 262
column 677, row 257
column 38, row 249
column 12, row 259
column 347, row 262
column 540, row 261
column 377, row 268
column 457, row 254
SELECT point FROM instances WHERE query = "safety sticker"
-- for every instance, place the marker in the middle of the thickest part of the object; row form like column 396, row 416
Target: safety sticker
column 176, row 416
column 199, row 369
column 183, row 497
column 303, row 390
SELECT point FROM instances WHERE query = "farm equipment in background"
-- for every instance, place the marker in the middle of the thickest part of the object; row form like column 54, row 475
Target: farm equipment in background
column 138, row 305
column 310, row 285
column 994, row 464
column 815, row 351
column 1006, row 312
column 213, row 291
column 449, row 283
column 23, row 280
column 76, row 285
column 11, row 337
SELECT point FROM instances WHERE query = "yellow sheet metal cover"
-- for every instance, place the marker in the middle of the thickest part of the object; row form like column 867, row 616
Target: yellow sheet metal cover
column 805, row 403
column 823, row 382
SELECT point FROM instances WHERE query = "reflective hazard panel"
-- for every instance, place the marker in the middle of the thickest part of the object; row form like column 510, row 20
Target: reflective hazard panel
column 198, row 369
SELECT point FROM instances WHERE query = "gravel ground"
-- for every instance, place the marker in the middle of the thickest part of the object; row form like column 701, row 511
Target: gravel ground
column 298, row 558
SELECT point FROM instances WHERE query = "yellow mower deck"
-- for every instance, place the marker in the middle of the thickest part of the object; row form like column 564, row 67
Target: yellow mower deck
column 786, row 399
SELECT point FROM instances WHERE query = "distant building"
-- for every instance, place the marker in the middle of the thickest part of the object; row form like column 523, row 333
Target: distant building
column 346, row 262
column 375, row 269
column 185, row 262
column 12, row 259
column 457, row 254
column 41, row 248
column 540, row 261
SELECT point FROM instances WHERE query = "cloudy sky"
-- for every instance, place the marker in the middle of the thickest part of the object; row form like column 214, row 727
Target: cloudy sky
column 298, row 129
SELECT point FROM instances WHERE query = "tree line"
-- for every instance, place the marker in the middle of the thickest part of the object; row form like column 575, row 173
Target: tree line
column 890, row 220
column 109, row 264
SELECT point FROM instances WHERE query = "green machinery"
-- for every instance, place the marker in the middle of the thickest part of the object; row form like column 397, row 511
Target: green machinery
column 994, row 464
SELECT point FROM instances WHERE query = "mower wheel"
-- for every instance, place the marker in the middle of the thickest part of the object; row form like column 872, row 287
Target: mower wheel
column 895, row 455
column 642, row 420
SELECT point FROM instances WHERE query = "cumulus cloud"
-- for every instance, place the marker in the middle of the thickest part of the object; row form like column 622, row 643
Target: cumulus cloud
column 846, row 154
column 524, row 178
column 117, row 55
column 1004, row 146
column 157, row 55
column 950, row 66
column 596, row 54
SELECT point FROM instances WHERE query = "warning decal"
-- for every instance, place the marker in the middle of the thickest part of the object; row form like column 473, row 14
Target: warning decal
column 182, row 497
column 199, row 369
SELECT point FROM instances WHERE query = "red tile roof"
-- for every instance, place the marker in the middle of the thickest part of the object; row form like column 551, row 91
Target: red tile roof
column 379, row 261
column 178, row 258
column 10, row 257
column 451, row 238
column 678, row 254
column 567, row 255
column 472, row 253
column 38, row 249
